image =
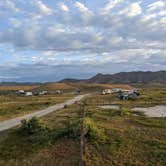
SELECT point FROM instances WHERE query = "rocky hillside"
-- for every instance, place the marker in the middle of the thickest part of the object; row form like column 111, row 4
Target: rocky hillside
column 126, row 78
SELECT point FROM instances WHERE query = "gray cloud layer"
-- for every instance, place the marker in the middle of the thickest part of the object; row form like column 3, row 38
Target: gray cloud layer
column 121, row 32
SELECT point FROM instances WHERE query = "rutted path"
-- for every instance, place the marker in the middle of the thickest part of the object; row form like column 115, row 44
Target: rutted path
column 16, row 121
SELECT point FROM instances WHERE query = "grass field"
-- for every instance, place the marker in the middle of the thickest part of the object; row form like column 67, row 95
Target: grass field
column 112, row 137
column 13, row 106
column 130, row 140
column 39, row 149
column 22, row 87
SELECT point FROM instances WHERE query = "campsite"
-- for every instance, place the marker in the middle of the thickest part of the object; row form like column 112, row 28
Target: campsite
column 114, row 133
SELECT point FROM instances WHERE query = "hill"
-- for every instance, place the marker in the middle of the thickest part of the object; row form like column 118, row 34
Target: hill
column 19, row 83
column 83, row 86
column 125, row 78
column 71, row 80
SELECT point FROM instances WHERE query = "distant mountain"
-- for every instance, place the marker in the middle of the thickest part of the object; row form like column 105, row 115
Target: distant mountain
column 18, row 83
column 125, row 78
column 118, row 78
column 72, row 80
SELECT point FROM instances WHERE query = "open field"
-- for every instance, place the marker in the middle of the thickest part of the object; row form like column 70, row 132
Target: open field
column 128, row 139
column 70, row 87
column 22, row 87
column 148, row 97
column 113, row 137
column 13, row 106
column 43, row 151
column 7, row 124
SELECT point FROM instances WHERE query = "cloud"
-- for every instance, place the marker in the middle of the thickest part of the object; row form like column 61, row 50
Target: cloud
column 81, row 7
column 44, row 72
column 135, row 9
column 110, row 5
column 9, row 5
column 49, row 53
column 63, row 7
column 132, row 10
column 117, row 32
column 162, row 13
column 156, row 5
column 43, row 8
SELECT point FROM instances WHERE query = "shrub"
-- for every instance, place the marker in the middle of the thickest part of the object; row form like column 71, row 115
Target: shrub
column 30, row 127
column 92, row 132
column 120, row 112
column 65, row 106
column 72, row 129
column 47, row 103
column 35, row 132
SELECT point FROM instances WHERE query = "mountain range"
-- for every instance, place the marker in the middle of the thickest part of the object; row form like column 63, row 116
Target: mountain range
column 124, row 78
column 118, row 78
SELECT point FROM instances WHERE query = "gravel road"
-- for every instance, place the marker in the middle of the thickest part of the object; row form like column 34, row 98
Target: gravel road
column 16, row 121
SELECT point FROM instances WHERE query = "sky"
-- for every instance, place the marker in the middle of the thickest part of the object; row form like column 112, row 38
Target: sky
column 48, row 40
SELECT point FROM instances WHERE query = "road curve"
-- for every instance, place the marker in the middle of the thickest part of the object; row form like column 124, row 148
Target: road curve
column 16, row 121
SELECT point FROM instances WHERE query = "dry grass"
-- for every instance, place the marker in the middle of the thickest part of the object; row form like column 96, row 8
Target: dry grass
column 64, row 87
column 23, row 87
column 61, row 86
column 15, row 150
column 82, row 86
column 129, row 140
column 63, row 152
column 97, row 88
column 13, row 106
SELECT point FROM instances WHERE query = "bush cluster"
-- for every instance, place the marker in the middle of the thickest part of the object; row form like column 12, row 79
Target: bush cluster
column 36, row 132
column 120, row 112
column 92, row 132
column 32, row 126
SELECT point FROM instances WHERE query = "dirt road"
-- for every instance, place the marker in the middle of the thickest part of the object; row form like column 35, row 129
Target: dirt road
column 16, row 121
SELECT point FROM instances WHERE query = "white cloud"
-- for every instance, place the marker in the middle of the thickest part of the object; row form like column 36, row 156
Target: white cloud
column 10, row 5
column 135, row 9
column 43, row 8
column 111, row 5
column 81, row 7
column 148, row 17
column 156, row 5
column 117, row 37
column 63, row 7
column 49, row 53
column 162, row 13
column 163, row 20
column 131, row 10
column 35, row 16
column 34, row 59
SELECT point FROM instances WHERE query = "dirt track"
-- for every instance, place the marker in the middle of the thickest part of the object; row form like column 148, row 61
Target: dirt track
column 16, row 121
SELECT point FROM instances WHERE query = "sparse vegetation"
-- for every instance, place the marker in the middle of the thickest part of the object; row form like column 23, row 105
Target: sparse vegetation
column 17, row 87
column 130, row 139
column 112, row 137
column 36, row 135
column 92, row 132
column 13, row 106
column 31, row 127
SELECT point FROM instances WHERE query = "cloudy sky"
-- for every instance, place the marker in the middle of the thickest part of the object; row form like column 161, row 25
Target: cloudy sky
column 47, row 40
